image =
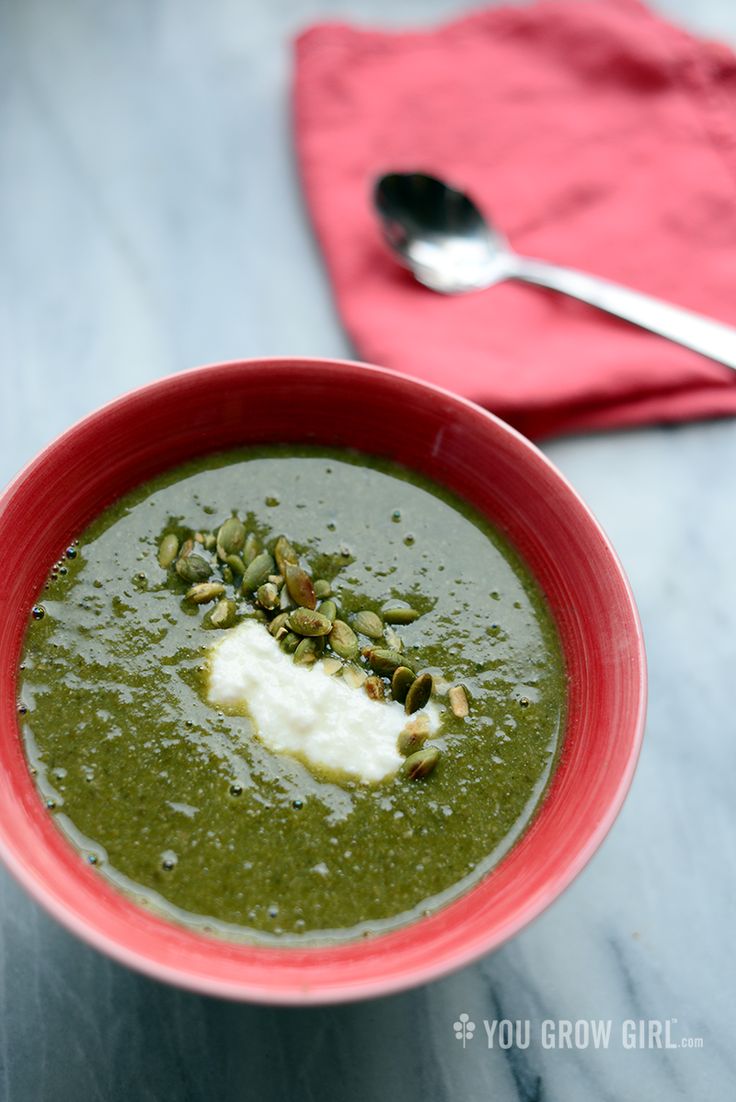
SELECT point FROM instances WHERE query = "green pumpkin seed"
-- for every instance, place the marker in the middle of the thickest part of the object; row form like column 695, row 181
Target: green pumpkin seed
column 329, row 609
column 384, row 661
column 400, row 682
column 343, row 640
column 168, row 550
column 458, row 699
column 204, row 592
column 193, row 568
column 322, row 589
column 235, row 563
column 307, row 653
column 299, row 585
column 375, row 688
column 420, row 763
column 251, row 548
column 230, row 538
column 413, row 736
column 284, row 553
column 400, row 615
column 267, row 595
column 418, row 694
column 290, row 642
column 278, row 623
column 257, row 572
column 368, row 623
column 227, row 574
column 306, row 621
column 210, row 541
column 223, row 614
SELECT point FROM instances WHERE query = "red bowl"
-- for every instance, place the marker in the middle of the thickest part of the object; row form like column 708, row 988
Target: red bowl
column 457, row 444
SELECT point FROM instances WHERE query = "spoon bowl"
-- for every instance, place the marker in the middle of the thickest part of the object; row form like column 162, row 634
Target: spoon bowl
column 439, row 234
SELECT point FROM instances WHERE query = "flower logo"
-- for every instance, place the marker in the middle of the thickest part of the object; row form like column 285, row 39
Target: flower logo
column 464, row 1029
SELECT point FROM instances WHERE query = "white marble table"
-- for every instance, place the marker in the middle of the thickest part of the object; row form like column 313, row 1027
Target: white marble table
column 148, row 211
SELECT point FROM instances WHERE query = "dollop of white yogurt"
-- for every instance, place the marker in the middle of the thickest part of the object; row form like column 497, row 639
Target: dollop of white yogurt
column 301, row 710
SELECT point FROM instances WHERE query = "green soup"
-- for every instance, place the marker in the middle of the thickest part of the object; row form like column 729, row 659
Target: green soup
column 182, row 806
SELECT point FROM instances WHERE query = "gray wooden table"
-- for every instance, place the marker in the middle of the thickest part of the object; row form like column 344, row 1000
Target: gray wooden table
column 148, row 213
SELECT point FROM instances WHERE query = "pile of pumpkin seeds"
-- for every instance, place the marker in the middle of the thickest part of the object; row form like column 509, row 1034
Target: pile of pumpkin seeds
column 233, row 572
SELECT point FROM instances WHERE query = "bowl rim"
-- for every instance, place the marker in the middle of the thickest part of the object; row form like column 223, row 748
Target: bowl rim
column 471, row 948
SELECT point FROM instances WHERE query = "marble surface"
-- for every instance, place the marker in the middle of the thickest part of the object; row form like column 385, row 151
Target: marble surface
column 148, row 215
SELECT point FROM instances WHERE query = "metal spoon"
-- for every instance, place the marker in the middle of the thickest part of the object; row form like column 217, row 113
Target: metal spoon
column 440, row 235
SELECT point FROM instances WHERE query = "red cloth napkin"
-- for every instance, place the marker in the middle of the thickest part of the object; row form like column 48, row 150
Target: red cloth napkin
column 598, row 136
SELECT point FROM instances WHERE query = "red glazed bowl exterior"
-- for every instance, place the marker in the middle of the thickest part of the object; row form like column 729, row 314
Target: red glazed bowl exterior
column 457, row 444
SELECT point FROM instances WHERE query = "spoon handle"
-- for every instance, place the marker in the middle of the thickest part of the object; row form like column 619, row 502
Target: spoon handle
column 701, row 334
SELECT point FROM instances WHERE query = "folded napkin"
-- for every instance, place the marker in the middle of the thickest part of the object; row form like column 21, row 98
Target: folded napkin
column 597, row 136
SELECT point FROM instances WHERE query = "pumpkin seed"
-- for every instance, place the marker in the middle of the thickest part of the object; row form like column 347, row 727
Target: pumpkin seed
column 204, row 592
column 322, row 589
column 413, row 736
column 384, row 661
column 267, row 595
column 375, row 688
column 168, row 550
column 418, row 694
column 284, row 553
column 343, row 640
column 307, row 653
column 251, row 548
column 193, row 568
column 354, row 676
column 329, row 609
column 331, row 665
column 299, row 585
column 400, row 615
column 223, row 614
column 235, row 563
column 290, row 642
column 368, row 623
column 420, row 763
column 307, row 621
column 401, row 682
column 257, row 572
column 230, row 538
column 458, row 701
column 278, row 623
column 210, row 541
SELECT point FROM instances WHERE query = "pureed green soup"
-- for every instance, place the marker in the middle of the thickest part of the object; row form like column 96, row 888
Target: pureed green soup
column 183, row 803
